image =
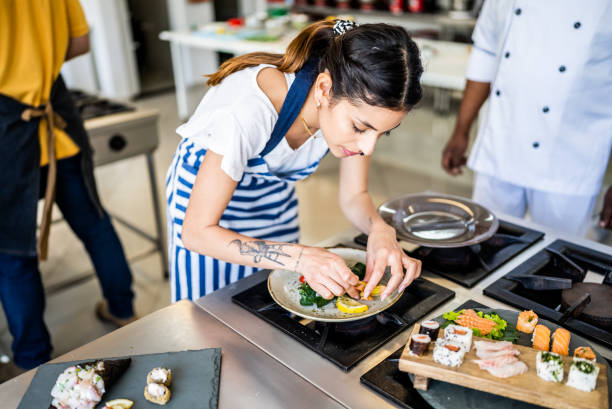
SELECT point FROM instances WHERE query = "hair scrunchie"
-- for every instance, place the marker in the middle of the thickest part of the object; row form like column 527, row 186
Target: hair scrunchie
column 342, row 26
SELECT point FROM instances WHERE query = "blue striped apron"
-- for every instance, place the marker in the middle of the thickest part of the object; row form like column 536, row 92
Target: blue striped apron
column 264, row 205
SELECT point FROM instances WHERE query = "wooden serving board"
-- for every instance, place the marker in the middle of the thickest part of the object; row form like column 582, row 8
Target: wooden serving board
column 528, row 387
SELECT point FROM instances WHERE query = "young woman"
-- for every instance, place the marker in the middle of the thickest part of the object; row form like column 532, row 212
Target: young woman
column 265, row 123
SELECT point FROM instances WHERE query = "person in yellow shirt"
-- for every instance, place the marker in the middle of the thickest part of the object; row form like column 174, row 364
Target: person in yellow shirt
column 45, row 152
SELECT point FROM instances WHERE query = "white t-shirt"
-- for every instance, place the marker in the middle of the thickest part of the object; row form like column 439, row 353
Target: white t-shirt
column 235, row 119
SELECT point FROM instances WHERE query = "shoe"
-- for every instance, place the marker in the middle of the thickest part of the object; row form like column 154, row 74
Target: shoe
column 103, row 313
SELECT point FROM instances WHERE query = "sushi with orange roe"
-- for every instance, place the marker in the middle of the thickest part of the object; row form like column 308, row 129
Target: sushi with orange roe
column 584, row 352
column 541, row 337
column 561, row 340
column 527, row 321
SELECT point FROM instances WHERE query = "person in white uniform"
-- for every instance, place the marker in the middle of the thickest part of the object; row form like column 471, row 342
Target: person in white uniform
column 265, row 123
column 545, row 140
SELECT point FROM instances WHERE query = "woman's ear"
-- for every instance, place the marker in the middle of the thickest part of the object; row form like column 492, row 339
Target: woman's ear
column 323, row 86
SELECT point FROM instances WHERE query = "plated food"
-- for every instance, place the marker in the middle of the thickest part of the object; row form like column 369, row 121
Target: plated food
column 290, row 293
column 82, row 386
column 547, row 378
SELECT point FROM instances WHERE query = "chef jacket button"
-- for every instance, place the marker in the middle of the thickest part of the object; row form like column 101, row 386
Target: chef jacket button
column 577, row 25
column 507, row 55
column 562, row 68
column 536, row 145
column 518, row 12
column 498, row 93
column 545, row 109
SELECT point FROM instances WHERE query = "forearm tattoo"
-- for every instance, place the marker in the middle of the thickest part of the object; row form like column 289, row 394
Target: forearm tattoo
column 260, row 250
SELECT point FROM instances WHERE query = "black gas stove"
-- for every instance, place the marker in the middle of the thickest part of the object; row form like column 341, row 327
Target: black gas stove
column 468, row 265
column 585, row 308
column 91, row 106
column 348, row 343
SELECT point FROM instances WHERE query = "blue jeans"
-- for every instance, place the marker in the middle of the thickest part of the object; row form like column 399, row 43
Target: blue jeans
column 21, row 290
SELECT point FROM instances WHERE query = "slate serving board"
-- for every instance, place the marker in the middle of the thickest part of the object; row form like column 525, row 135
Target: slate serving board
column 443, row 395
column 195, row 380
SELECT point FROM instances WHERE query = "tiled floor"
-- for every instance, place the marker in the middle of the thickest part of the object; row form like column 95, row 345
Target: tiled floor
column 406, row 161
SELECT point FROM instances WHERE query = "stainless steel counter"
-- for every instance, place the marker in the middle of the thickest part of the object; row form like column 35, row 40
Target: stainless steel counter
column 261, row 366
column 249, row 377
column 346, row 387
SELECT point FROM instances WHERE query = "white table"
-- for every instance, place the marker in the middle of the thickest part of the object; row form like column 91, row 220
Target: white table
column 444, row 62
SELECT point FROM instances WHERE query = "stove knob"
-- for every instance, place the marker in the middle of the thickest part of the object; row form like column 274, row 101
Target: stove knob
column 117, row 142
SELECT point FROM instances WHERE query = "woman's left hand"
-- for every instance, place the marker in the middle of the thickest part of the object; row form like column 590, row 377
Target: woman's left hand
column 384, row 250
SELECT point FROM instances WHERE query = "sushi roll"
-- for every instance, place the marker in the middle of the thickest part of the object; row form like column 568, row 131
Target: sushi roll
column 459, row 335
column 541, row 337
column 419, row 344
column 527, row 321
column 430, row 328
column 583, row 374
column 99, row 376
column 157, row 393
column 160, row 375
column 561, row 340
column 584, row 352
column 448, row 353
column 549, row 366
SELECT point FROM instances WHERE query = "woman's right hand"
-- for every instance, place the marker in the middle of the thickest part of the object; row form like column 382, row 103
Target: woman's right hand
column 453, row 156
column 326, row 272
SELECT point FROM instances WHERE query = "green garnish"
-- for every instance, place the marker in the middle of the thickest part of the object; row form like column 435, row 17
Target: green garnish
column 308, row 296
column 548, row 356
column 501, row 331
column 359, row 270
column 554, row 374
column 584, row 367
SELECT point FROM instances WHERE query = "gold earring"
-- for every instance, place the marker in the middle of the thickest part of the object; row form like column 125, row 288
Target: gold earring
column 318, row 105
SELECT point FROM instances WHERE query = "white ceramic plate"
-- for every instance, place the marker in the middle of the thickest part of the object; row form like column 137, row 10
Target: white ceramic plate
column 284, row 286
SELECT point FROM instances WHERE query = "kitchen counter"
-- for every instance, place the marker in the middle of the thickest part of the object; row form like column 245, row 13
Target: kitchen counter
column 267, row 367
column 249, row 377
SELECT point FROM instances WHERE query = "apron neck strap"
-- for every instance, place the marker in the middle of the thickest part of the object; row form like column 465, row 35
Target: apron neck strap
column 296, row 96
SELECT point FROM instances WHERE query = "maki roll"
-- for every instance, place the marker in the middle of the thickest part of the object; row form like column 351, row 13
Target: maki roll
column 430, row 328
column 459, row 335
column 419, row 344
column 583, row 374
column 83, row 385
column 160, row 375
column 448, row 353
column 549, row 366
column 157, row 393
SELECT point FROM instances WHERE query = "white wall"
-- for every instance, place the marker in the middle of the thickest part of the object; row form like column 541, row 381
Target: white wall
column 182, row 16
column 110, row 68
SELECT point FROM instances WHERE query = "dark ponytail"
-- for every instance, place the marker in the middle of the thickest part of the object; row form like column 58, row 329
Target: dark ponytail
column 378, row 64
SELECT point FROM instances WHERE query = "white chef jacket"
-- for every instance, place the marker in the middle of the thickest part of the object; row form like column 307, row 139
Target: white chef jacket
column 549, row 120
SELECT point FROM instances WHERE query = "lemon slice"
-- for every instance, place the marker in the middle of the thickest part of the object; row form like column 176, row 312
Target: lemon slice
column 350, row 306
column 119, row 404
column 378, row 290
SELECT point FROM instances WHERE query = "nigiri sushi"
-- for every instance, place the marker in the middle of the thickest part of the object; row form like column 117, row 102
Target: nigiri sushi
column 561, row 340
column 527, row 321
column 584, row 352
column 541, row 337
